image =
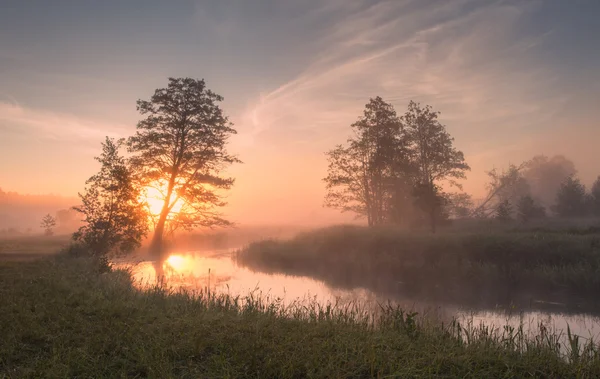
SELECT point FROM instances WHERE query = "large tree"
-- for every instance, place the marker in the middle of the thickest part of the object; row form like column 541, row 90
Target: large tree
column 361, row 176
column 115, row 219
column 435, row 157
column 180, row 147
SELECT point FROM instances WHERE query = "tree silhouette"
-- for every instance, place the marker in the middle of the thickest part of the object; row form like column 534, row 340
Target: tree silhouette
column 595, row 198
column 528, row 210
column 434, row 156
column 504, row 211
column 115, row 219
column 361, row 176
column 180, row 145
column 571, row 199
column 48, row 224
column 507, row 184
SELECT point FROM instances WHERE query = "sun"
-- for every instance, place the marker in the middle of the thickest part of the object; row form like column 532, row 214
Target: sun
column 154, row 195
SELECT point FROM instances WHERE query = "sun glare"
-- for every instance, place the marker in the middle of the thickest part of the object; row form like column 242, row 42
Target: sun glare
column 177, row 262
column 155, row 198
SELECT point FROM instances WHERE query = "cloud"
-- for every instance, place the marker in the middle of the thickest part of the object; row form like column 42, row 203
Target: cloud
column 38, row 124
column 464, row 58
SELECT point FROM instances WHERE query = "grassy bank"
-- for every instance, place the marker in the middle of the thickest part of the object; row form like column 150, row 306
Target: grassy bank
column 63, row 318
column 485, row 268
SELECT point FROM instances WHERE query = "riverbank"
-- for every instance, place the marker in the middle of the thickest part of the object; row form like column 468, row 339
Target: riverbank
column 483, row 269
column 62, row 317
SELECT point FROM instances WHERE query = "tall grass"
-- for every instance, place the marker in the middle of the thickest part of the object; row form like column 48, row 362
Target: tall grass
column 63, row 318
column 485, row 267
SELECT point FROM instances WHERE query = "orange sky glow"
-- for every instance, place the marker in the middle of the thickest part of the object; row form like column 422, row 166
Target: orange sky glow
column 509, row 85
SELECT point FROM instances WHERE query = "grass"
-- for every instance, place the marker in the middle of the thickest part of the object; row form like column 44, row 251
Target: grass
column 63, row 317
column 30, row 247
column 482, row 268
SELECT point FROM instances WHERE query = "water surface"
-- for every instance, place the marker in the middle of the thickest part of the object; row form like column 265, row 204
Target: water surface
column 218, row 271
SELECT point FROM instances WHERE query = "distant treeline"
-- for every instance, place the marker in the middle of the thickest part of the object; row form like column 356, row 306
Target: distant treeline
column 399, row 169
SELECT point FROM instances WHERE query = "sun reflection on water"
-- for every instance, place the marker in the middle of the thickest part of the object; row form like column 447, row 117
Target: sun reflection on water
column 218, row 272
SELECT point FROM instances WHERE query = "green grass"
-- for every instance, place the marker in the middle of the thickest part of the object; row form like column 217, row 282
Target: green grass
column 63, row 318
column 487, row 268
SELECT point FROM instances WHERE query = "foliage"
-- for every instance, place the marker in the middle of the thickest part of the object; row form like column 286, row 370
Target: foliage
column 115, row 219
column 361, row 176
column 504, row 211
column 507, row 185
column 48, row 223
column 432, row 203
column 64, row 319
column 392, row 170
column 571, row 199
column 528, row 210
column 435, row 157
column 181, row 144
column 595, row 198
column 459, row 205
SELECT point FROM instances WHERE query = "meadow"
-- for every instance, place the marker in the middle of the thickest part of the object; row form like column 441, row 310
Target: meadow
column 65, row 317
column 20, row 248
column 483, row 268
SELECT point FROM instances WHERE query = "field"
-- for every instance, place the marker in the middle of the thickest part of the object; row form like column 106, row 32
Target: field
column 483, row 269
column 21, row 248
column 64, row 317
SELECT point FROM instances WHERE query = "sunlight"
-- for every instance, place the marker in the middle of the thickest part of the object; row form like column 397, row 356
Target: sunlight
column 177, row 262
column 155, row 194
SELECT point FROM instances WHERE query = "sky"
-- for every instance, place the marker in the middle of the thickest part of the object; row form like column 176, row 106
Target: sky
column 510, row 78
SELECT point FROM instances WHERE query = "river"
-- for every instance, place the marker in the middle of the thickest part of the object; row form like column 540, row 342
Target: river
column 219, row 272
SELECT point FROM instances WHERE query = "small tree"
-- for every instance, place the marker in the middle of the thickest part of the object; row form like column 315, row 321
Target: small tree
column 595, row 198
column 503, row 185
column 571, row 199
column 528, row 210
column 115, row 219
column 504, row 211
column 48, row 224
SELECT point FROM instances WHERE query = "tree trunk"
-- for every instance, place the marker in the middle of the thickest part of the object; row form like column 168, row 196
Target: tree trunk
column 156, row 246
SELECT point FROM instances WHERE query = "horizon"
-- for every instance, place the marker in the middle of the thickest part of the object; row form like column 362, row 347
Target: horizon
column 512, row 79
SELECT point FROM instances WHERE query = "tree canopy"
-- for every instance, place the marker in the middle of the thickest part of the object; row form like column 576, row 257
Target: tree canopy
column 115, row 220
column 180, row 149
column 360, row 174
column 571, row 198
column 393, row 166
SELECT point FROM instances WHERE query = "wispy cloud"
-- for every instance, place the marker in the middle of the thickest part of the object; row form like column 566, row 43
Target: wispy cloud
column 463, row 58
column 45, row 125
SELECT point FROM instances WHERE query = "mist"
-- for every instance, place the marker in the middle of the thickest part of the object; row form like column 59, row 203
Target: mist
column 318, row 188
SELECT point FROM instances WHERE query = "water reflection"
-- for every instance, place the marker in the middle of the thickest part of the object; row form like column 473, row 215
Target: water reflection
column 219, row 273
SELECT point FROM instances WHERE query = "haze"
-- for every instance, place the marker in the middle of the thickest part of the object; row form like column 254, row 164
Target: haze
column 512, row 79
